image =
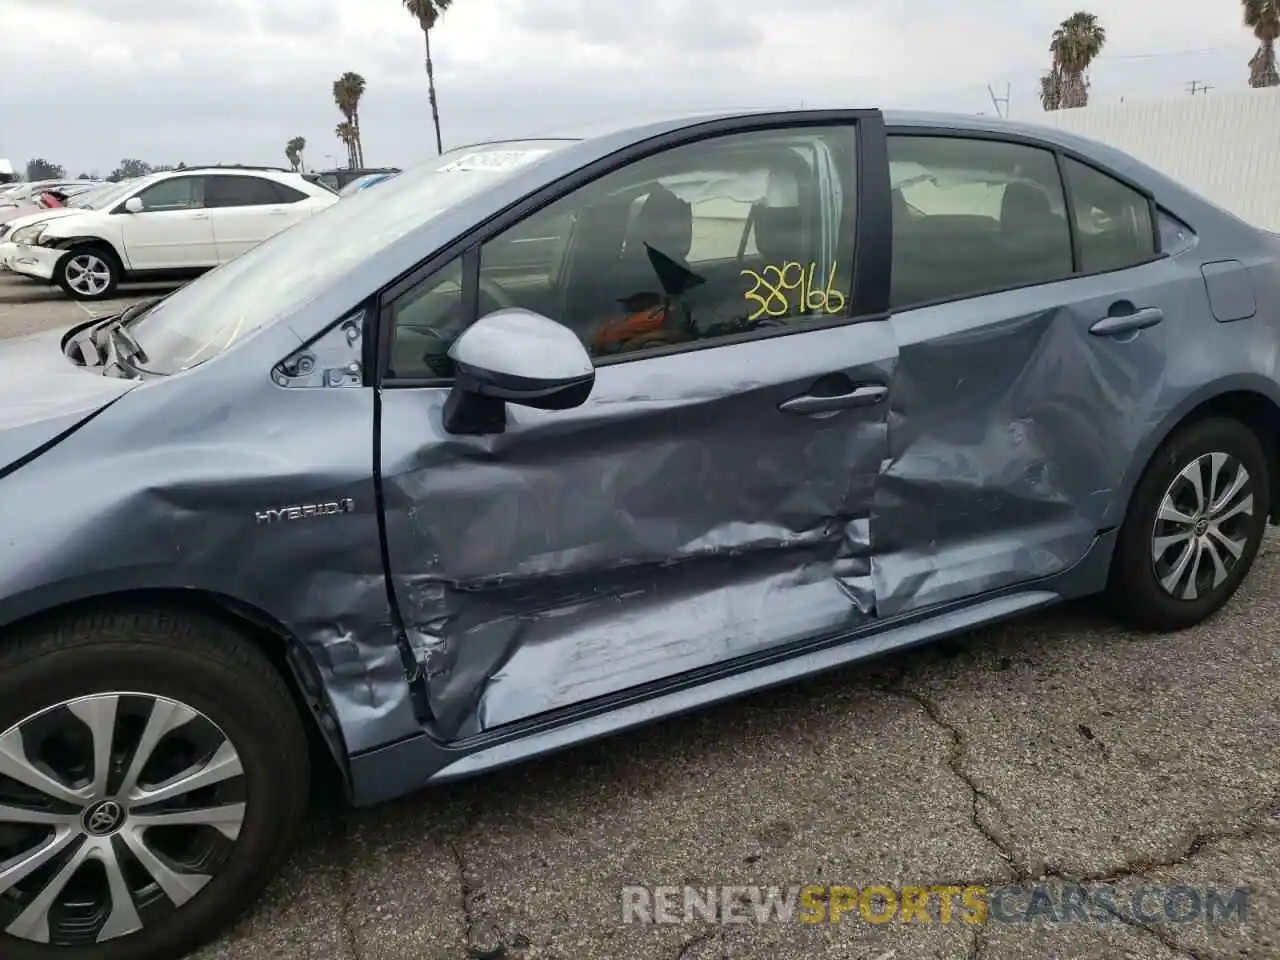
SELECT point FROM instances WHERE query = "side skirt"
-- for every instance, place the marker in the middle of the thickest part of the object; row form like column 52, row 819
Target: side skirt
column 411, row 764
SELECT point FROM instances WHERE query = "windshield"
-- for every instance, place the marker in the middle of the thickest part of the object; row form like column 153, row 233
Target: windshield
column 277, row 277
column 103, row 197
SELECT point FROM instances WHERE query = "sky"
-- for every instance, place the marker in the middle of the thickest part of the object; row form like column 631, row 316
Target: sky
column 89, row 82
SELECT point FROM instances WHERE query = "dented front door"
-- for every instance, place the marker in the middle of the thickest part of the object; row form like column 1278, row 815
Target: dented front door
column 700, row 507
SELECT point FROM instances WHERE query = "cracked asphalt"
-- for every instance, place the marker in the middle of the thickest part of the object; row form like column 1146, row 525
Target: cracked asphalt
column 1057, row 749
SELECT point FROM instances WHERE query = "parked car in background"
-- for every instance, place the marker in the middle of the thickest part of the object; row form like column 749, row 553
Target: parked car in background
column 63, row 194
column 24, row 225
column 29, row 191
column 363, row 183
column 338, row 179
column 171, row 225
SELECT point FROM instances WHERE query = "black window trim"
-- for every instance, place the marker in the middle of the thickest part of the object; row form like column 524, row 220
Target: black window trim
column 1059, row 153
column 275, row 190
column 868, row 203
column 283, row 190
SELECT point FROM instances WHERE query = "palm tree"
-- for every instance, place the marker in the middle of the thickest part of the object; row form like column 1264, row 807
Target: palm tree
column 347, row 91
column 1075, row 45
column 1051, row 89
column 293, row 151
column 346, row 132
column 428, row 13
column 1263, row 18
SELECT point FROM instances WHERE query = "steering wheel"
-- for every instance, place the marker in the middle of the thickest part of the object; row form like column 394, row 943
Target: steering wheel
column 496, row 293
column 437, row 339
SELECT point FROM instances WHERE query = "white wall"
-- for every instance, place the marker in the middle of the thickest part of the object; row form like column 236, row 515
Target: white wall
column 1225, row 146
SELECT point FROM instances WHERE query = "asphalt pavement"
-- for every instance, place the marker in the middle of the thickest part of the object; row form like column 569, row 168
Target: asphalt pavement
column 1037, row 756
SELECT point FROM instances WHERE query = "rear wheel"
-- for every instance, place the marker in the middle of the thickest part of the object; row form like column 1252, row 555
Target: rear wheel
column 152, row 772
column 1194, row 526
column 88, row 273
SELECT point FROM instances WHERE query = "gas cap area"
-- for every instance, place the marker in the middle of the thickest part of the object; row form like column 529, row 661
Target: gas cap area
column 1230, row 290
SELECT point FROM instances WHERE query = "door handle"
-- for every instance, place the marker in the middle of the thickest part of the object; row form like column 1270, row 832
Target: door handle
column 863, row 396
column 1135, row 320
column 278, row 213
column 198, row 216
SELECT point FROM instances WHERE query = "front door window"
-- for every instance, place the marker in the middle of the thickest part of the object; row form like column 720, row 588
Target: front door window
column 724, row 237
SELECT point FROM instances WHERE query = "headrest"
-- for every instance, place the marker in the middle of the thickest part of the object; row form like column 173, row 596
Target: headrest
column 782, row 189
column 780, row 233
column 1023, row 207
column 665, row 222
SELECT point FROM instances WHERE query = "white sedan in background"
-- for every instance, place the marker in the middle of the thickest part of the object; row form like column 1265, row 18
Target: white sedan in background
column 166, row 226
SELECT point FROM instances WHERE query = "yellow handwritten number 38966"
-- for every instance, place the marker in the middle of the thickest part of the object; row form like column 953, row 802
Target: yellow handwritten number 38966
column 772, row 286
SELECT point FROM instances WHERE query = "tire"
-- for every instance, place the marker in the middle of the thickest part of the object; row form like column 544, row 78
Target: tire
column 88, row 272
column 224, row 700
column 1135, row 590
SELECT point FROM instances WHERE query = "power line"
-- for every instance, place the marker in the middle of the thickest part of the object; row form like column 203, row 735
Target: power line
column 1000, row 103
column 1198, row 51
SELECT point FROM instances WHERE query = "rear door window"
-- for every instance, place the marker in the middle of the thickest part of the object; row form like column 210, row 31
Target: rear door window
column 231, row 191
column 974, row 216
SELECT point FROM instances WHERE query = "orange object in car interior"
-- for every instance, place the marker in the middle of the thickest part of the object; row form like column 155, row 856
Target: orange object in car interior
column 618, row 331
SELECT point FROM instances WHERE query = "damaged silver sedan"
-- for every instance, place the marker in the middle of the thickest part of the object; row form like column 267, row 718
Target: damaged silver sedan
column 551, row 438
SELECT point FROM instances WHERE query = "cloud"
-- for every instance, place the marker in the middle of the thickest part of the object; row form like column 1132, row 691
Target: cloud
column 134, row 12
column 232, row 80
column 712, row 25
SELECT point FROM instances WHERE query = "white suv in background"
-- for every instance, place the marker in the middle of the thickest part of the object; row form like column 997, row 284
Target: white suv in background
column 170, row 225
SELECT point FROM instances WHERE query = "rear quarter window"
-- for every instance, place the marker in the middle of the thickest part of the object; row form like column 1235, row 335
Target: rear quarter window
column 1175, row 236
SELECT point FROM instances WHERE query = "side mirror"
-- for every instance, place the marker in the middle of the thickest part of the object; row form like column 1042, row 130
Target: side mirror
column 133, row 205
column 514, row 356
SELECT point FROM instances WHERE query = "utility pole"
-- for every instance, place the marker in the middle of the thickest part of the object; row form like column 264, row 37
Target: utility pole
column 1195, row 86
column 1000, row 103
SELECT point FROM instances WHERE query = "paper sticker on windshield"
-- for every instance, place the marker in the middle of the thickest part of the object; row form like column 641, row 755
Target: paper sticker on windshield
column 492, row 161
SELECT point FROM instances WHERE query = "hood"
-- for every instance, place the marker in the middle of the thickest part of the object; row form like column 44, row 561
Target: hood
column 67, row 213
column 44, row 396
column 18, row 211
column 28, row 214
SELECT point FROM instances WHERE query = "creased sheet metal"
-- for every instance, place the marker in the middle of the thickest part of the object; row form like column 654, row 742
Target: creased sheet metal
column 1011, row 432
column 182, row 469
column 679, row 519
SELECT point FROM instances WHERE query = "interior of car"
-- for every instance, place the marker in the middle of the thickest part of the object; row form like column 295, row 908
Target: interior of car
column 980, row 216
column 619, row 273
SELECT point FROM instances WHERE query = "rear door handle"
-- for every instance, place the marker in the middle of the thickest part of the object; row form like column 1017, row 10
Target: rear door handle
column 198, row 216
column 862, row 396
column 1127, row 322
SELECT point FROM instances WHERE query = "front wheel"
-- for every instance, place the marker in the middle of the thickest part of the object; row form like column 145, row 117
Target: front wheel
column 1194, row 526
column 88, row 273
column 152, row 772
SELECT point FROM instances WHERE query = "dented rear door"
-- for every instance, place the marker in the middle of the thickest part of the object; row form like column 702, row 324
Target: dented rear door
column 1017, row 413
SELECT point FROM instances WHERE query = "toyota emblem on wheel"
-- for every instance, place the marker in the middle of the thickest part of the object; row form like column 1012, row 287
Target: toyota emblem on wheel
column 104, row 818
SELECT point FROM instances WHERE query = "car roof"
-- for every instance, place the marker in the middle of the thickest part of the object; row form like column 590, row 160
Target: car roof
column 635, row 128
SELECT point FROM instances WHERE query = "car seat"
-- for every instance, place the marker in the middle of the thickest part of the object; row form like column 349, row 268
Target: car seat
column 1036, row 241
column 779, row 221
column 601, row 284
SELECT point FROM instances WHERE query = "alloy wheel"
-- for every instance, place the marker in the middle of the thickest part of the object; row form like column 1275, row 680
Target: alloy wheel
column 1203, row 526
column 88, row 274
column 115, row 810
